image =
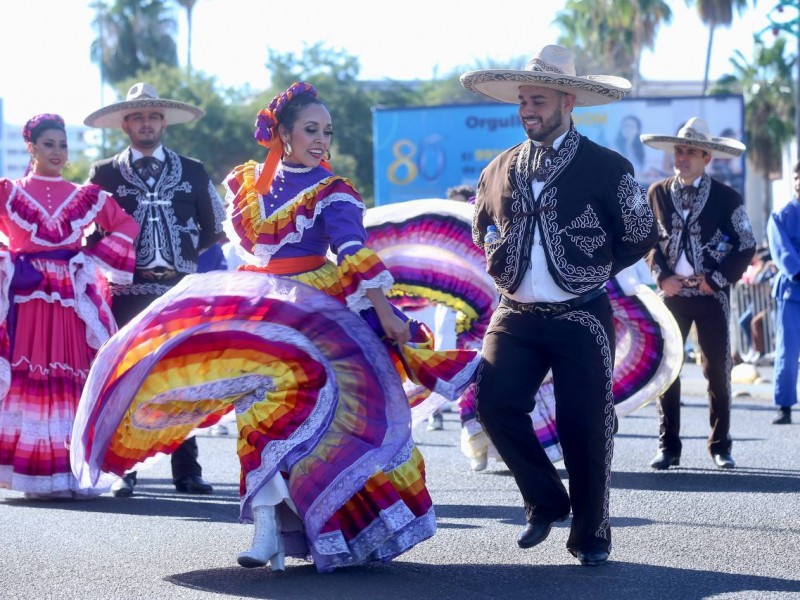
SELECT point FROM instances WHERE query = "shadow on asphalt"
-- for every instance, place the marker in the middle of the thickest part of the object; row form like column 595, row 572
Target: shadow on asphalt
column 514, row 515
column 399, row 579
column 742, row 479
column 509, row 515
column 154, row 497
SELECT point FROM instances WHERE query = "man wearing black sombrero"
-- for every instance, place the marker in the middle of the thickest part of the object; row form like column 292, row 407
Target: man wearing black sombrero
column 569, row 216
column 179, row 213
column 706, row 244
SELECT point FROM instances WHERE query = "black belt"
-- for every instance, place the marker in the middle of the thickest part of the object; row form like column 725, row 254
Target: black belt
column 157, row 273
column 551, row 309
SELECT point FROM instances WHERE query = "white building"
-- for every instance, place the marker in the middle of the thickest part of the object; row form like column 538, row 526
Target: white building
column 14, row 155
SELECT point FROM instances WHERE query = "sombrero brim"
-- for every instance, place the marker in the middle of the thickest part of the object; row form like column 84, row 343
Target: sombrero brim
column 503, row 85
column 111, row 117
column 718, row 147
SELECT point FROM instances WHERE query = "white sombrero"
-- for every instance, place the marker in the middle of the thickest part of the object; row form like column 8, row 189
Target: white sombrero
column 143, row 96
column 697, row 135
column 552, row 67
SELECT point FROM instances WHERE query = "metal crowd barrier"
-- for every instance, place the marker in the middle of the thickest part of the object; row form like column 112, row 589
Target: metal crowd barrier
column 752, row 299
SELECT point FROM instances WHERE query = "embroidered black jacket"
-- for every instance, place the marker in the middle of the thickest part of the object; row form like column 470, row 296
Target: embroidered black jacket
column 593, row 216
column 180, row 216
column 716, row 234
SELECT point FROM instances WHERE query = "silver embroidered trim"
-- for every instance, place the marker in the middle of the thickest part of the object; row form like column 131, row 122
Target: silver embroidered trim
column 636, row 213
column 593, row 324
column 741, row 225
column 140, row 289
column 159, row 235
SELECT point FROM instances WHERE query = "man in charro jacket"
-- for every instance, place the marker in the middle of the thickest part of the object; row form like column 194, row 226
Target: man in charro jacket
column 570, row 216
column 180, row 214
column 706, row 244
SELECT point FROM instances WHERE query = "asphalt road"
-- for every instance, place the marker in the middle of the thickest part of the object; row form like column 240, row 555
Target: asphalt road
column 690, row 532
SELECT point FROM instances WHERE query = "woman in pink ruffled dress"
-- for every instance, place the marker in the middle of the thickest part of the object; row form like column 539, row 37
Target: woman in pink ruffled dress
column 54, row 308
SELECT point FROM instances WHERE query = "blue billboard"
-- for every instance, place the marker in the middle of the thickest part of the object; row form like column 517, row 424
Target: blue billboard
column 420, row 152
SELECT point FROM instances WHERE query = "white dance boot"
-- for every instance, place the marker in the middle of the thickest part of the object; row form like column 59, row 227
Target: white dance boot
column 479, row 461
column 267, row 543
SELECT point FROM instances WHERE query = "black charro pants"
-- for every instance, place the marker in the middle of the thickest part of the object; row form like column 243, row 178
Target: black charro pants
column 710, row 315
column 184, row 459
column 518, row 351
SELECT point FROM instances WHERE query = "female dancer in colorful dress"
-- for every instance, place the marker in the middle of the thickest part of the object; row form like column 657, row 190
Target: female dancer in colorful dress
column 329, row 469
column 54, row 311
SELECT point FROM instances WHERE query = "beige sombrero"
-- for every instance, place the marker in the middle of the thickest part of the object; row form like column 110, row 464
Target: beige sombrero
column 552, row 67
column 143, row 96
column 696, row 134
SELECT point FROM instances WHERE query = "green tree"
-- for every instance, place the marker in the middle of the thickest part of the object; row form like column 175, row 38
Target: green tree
column 132, row 36
column 448, row 89
column 609, row 36
column 77, row 170
column 715, row 13
column 334, row 74
column 646, row 17
column 596, row 40
column 769, row 107
column 222, row 139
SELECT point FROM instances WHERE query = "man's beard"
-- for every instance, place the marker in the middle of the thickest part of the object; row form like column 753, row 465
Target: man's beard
column 151, row 141
column 547, row 127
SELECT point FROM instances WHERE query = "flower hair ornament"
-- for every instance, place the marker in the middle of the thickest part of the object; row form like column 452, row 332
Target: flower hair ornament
column 34, row 122
column 266, row 132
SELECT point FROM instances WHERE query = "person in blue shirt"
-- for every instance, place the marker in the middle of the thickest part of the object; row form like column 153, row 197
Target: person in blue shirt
column 783, row 234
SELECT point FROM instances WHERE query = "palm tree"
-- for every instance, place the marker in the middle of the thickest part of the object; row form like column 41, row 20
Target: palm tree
column 610, row 35
column 715, row 13
column 769, row 107
column 647, row 16
column 133, row 35
column 597, row 37
column 188, row 5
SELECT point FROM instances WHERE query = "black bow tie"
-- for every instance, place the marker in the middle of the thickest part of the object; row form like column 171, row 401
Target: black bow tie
column 542, row 162
column 147, row 167
column 687, row 195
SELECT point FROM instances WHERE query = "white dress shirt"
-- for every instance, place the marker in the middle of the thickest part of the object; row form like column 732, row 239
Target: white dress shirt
column 158, row 259
column 537, row 284
column 684, row 268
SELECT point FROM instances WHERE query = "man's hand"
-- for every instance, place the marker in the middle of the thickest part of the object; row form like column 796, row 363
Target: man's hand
column 671, row 285
column 702, row 286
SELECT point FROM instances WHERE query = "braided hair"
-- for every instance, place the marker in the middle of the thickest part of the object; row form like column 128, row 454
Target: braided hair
column 283, row 110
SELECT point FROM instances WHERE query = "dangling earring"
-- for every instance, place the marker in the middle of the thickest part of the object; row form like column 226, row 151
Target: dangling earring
column 66, row 165
column 288, row 148
column 327, row 155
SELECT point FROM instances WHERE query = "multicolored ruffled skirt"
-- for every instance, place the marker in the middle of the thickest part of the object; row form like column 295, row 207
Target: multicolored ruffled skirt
column 54, row 314
column 317, row 399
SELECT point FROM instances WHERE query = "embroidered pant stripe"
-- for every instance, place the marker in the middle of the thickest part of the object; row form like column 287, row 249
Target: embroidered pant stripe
column 710, row 316
column 519, row 349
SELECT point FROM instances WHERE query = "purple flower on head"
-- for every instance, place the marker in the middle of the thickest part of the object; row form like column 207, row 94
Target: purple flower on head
column 267, row 118
column 34, row 122
column 265, row 123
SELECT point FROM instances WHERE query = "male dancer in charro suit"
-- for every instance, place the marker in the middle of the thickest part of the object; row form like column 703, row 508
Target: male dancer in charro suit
column 571, row 216
column 706, row 244
column 180, row 214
